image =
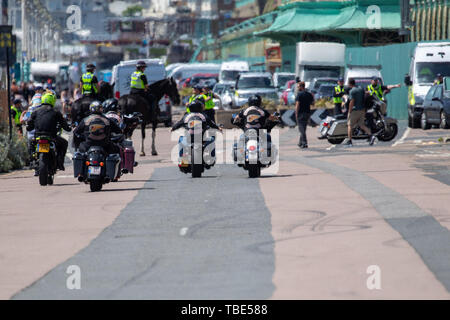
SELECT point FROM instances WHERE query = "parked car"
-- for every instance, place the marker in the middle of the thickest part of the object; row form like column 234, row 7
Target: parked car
column 250, row 83
column 325, row 91
column 287, row 89
column 203, row 79
column 225, row 92
column 436, row 106
column 317, row 82
column 120, row 80
column 186, row 71
column 280, row 79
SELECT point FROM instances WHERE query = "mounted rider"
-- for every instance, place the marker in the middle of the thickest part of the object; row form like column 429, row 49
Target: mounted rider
column 89, row 82
column 139, row 83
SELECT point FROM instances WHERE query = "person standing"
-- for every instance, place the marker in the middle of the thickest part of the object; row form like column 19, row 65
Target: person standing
column 339, row 92
column 303, row 103
column 209, row 103
column 356, row 112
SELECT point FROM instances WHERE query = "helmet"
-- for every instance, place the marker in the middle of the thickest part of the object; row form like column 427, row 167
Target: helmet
column 48, row 98
column 140, row 64
column 196, row 106
column 95, row 107
column 254, row 100
column 17, row 101
column 110, row 105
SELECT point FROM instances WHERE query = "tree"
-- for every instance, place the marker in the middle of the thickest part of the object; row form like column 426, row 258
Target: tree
column 133, row 11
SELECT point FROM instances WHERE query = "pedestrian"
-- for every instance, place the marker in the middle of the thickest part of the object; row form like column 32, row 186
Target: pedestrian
column 356, row 112
column 303, row 103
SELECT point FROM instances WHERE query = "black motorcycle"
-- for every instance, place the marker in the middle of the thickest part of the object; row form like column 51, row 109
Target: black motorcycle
column 46, row 158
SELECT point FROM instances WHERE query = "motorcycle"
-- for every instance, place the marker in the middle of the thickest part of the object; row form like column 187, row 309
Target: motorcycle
column 384, row 128
column 255, row 151
column 96, row 167
column 45, row 157
column 195, row 153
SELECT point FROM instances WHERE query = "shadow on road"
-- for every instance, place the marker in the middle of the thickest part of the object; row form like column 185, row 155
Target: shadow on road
column 127, row 189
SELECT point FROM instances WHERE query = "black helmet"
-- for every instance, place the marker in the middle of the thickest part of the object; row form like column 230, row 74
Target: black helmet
column 196, row 106
column 110, row 105
column 95, row 107
column 141, row 64
column 255, row 101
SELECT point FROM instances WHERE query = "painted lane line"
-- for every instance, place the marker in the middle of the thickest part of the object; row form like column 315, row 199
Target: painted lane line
column 402, row 139
column 183, row 231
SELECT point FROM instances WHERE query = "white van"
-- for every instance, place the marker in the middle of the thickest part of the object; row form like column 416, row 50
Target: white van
column 155, row 71
column 429, row 59
column 230, row 70
column 363, row 74
column 57, row 72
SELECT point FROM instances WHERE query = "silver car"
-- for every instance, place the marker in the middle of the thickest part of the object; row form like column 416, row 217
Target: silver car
column 251, row 83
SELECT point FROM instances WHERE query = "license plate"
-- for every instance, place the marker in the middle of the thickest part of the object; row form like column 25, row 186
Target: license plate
column 94, row 170
column 43, row 147
column 252, row 156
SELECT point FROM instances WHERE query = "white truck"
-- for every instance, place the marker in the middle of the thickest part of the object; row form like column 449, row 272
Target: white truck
column 429, row 59
column 56, row 72
column 229, row 71
column 319, row 60
column 363, row 74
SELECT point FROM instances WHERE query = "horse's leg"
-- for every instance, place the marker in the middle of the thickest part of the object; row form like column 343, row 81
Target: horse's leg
column 143, row 138
column 154, row 126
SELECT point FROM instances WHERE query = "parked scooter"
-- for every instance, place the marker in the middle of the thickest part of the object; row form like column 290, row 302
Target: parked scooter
column 254, row 150
column 385, row 128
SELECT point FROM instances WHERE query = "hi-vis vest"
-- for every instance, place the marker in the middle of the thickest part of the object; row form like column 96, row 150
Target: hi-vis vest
column 193, row 97
column 210, row 103
column 411, row 98
column 338, row 89
column 136, row 81
column 17, row 115
column 88, row 87
column 378, row 91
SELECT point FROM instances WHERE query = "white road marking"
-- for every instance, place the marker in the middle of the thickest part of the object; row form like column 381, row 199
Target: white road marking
column 183, row 231
column 402, row 139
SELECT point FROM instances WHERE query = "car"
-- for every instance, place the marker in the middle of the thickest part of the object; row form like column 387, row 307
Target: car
column 288, row 87
column 225, row 92
column 202, row 79
column 325, row 91
column 251, row 83
column 436, row 106
column 120, row 80
column 186, row 71
column 316, row 82
column 280, row 79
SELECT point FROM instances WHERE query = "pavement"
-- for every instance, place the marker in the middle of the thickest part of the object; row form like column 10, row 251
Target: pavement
column 313, row 230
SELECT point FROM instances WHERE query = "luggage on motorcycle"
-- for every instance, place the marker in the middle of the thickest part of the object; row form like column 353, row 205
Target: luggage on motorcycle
column 112, row 165
column 128, row 154
column 79, row 160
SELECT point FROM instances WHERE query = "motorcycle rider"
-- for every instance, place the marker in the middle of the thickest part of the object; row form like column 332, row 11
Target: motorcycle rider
column 196, row 113
column 197, row 94
column 379, row 91
column 45, row 120
column 111, row 111
column 254, row 116
column 96, row 130
column 89, row 82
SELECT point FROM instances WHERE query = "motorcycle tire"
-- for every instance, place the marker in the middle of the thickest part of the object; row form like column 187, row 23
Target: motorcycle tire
column 335, row 140
column 254, row 171
column 390, row 134
column 96, row 185
column 43, row 169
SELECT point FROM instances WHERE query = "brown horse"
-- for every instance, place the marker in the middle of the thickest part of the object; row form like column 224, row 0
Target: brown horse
column 129, row 104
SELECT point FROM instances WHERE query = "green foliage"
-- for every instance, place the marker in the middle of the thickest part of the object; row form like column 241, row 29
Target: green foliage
column 14, row 153
column 133, row 11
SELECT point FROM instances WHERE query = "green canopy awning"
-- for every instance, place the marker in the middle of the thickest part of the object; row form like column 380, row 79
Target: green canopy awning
column 323, row 16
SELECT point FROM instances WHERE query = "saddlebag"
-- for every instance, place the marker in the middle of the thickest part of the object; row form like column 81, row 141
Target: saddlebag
column 112, row 166
column 79, row 167
column 128, row 159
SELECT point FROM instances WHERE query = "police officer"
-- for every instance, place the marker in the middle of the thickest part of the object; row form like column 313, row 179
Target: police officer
column 197, row 95
column 45, row 120
column 339, row 92
column 196, row 113
column 89, row 82
column 16, row 112
column 209, row 102
column 139, row 83
column 375, row 89
column 96, row 130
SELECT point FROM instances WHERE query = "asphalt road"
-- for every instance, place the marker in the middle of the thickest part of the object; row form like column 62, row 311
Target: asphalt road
column 309, row 231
